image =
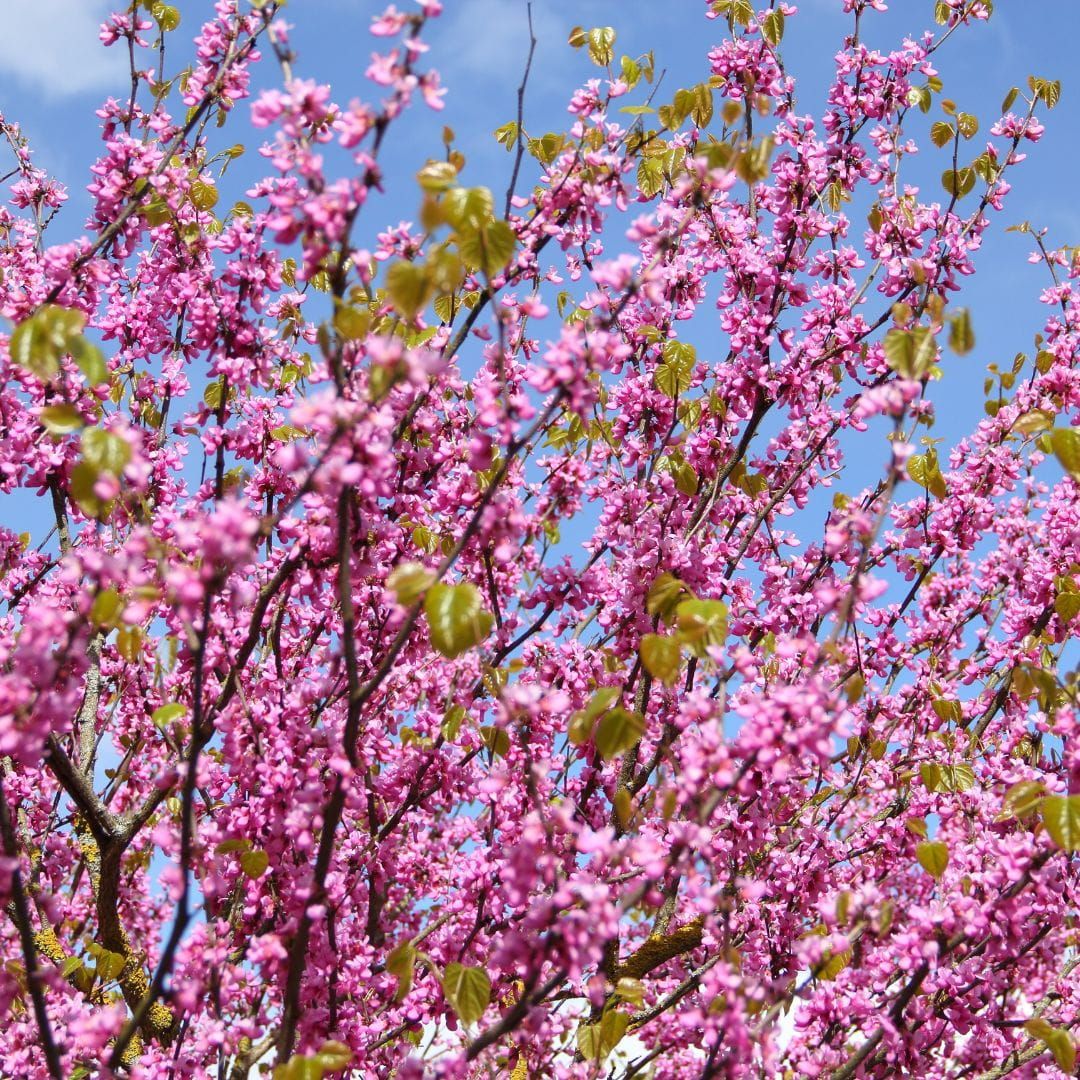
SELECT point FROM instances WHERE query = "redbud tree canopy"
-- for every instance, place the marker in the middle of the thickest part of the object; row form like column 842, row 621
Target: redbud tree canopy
column 548, row 637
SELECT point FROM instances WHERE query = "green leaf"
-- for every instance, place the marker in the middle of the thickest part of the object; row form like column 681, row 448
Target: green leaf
column 168, row 18
column 631, row 990
column 772, row 26
column 1057, row 1040
column 507, row 135
column 1022, row 800
column 601, row 41
column 61, row 419
column 948, row 710
column 229, row 847
column 90, row 359
column 1061, row 816
column 910, row 353
column 334, row 1056
column 961, row 336
column 300, row 1067
column 467, row 990
column 106, row 608
column 1048, row 90
column 71, row 965
column 437, row 176
column 254, row 863
column 967, row 124
column 453, row 718
column 947, row 778
column 834, row 196
column 596, row 1041
column 1067, row 606
column 650, row 177
column 401, row 963
column 1065, row 442
column 409, row 287
column 925, row 471
column 81, row 488
column 920, row 96
column 675, row 374
column 204, row 196
column 287, row 433
column 108, row 964
column 958, row 182
column 489, row 247
column 466, row 207
column 1034, row 421
column 686, row 479
column 701, row 624
column 164, row 715
column 739, row 11
column 496, row 739
column 941, row 134
column 933, row 857
column 701, row 104
column 105, row 451
column 456, row 618
column 38, row 343
column 617, row 731
column 664, row 596
column 662, row 657
column 409, row 581
column 547, row 148
column 583, row 721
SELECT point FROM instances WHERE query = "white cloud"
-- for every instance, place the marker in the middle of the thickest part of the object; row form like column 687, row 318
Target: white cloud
column 51, row 47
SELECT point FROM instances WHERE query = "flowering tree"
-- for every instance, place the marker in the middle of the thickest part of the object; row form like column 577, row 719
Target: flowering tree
column 333, row 739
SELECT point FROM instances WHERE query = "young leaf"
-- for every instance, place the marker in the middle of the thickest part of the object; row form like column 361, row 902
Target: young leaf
column 618, row 731
column 701, row 623
column 456, row 618
column 1057, row 1040
column 941, row 134
column 489, row 246
column 164, row 715
column 333, row 1056
column 662, row 657
column 933, row 857
column 601, row 45
column 1065, row 442
column 596, row 1041
column 664, row 596
column 961, row 335
column 467, row 990
column 254, row 863
column 1061, row 816
column 408, row 582
column 39, row 342
column 910, row 352
column 61, row 419
column 437, row 176
column 409, row 288
column 772, row 26
column 105, row 451
column 108, row 964
column 1022, row 800
column 401, row 963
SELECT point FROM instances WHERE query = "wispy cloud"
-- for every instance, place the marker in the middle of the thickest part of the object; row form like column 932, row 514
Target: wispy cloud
column 51, row 48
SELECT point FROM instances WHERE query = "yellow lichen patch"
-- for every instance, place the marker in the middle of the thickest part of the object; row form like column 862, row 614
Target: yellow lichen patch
column 658, row 949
